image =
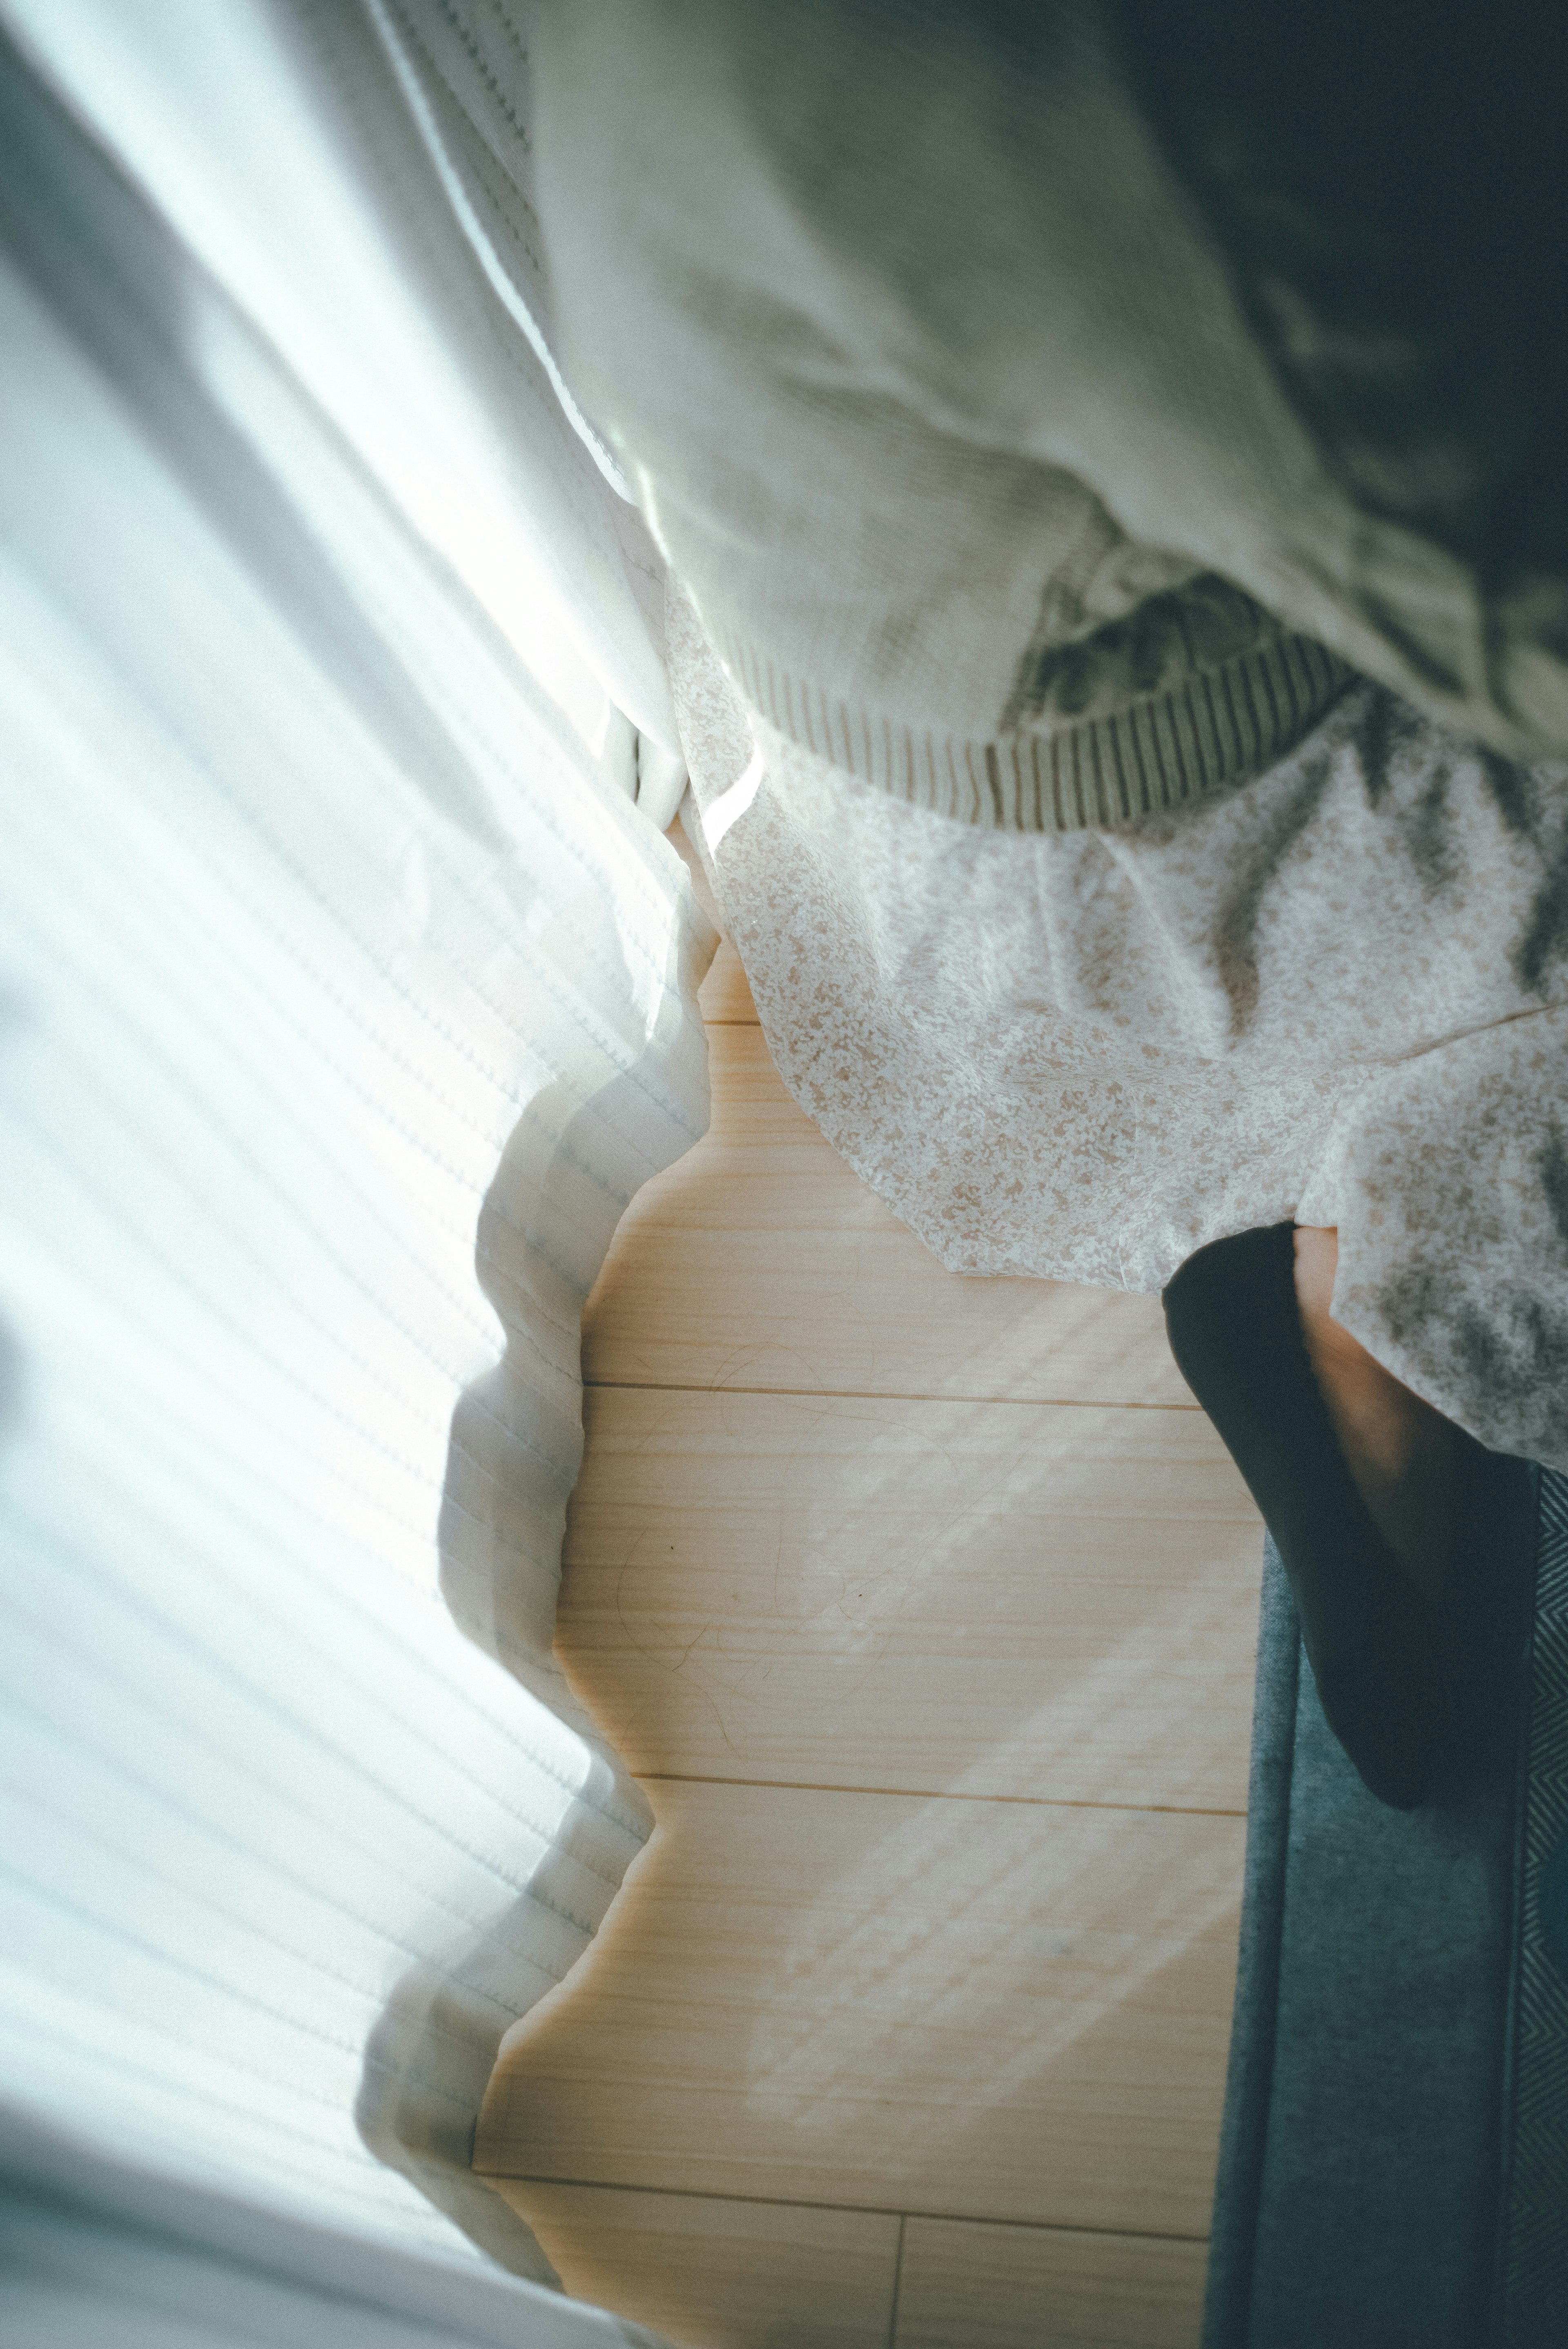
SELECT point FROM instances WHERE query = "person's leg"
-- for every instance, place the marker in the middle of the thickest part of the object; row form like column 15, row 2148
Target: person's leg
column 1402, row 1454
column 1384, row 1654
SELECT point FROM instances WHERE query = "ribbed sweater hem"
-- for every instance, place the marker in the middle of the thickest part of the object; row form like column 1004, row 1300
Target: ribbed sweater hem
column 1215, row 730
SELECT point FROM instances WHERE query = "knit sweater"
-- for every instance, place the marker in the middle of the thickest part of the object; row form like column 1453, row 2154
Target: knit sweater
column 936, row 389
column 891, row 582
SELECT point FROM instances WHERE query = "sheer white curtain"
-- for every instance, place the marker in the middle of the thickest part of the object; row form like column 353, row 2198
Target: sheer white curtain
column 346, row 997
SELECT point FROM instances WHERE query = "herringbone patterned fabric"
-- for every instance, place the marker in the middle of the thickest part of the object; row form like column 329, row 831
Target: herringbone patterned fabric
column 1535, row 2216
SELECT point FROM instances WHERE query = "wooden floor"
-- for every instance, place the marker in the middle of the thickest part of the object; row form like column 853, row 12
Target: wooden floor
column 924, row 1608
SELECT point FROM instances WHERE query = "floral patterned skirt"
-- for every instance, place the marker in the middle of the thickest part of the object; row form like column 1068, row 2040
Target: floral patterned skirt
column 1337, row 994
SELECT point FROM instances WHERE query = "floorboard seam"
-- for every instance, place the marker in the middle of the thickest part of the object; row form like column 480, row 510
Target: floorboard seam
column 881, row 1394
column 940, row 1795
column 857, row 2209
column 897, row 2282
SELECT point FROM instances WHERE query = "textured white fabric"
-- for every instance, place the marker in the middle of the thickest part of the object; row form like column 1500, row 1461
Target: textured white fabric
column 1339, row 994
column 344, row 1005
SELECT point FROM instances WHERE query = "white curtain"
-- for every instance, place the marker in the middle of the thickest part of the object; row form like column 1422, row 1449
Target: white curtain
column 346, row 998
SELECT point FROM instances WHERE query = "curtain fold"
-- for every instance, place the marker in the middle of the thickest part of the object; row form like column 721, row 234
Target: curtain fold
column 345, row 999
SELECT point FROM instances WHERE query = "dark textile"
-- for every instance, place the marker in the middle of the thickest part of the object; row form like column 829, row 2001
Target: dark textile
column 1532, row 2264
column 1392, row 2173
column 1390, row 185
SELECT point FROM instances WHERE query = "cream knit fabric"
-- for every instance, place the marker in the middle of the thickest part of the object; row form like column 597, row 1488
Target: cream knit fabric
column 905, row 582
column 937, row 392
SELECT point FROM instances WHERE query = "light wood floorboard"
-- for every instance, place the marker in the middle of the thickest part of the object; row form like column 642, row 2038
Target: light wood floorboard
column 964, row 2286
column 724, row 997
column 761, row 1260
column 1022, row 1600
column 715, row 2273
column 956, row 2008
column 926, row 1606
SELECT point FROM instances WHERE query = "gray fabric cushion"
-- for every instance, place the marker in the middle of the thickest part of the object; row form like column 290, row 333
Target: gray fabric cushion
column 1533, row 2254
column 1368, row 2183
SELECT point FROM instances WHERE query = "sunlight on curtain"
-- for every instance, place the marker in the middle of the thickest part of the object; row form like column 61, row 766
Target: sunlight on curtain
column 344, row 1004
